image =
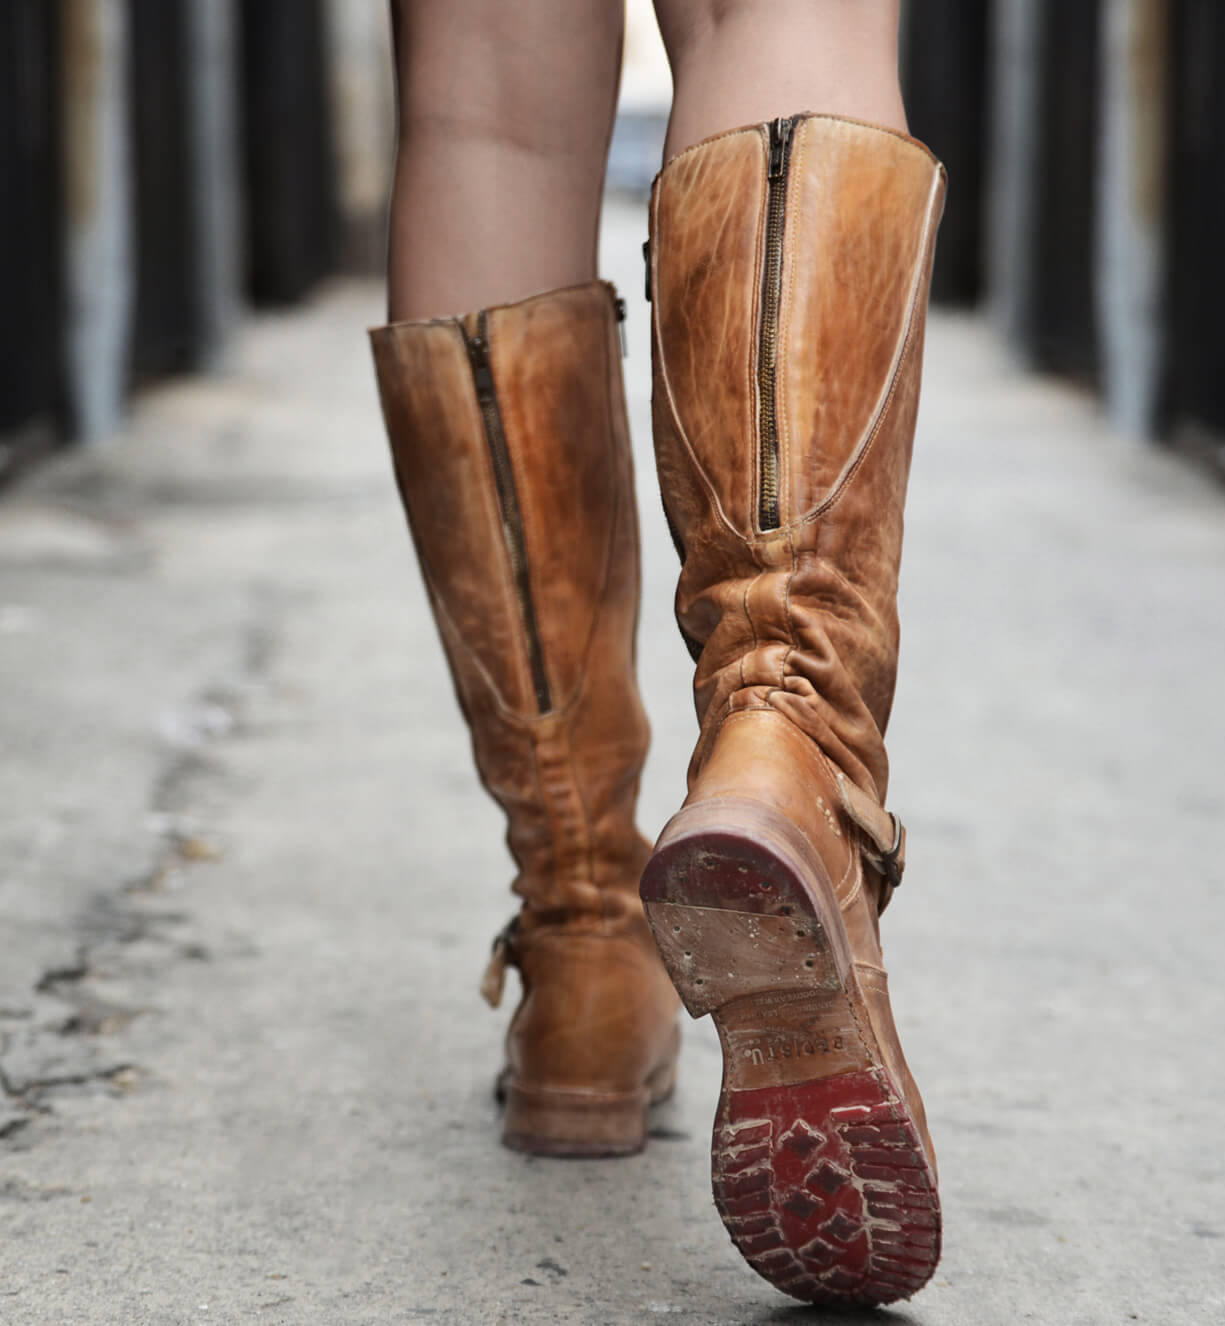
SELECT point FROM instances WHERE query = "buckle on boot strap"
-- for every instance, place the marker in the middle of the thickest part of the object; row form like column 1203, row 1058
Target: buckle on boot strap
column 884, row 844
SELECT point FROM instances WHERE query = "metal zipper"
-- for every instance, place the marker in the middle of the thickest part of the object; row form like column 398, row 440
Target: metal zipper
column 771, row 295
column 512, row 518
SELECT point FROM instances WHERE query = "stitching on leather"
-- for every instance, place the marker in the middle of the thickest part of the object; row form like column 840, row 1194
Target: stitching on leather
column 748, row 616
column 751, row 480
column 806, row 115
column 551, row 731
column 795, row 561
column 519, row 626
column 710, row 730
column 587, row 842
column 791, row 648
column 542, row 800
column 393, row 328
column 520, row 721
column 580, row 680
column 857, row 848
column 666, row 382
column 513, row 428
column 855, row 861
column 785, row 658
column 905, row 344
column 868, row 1037
column 850, row 866
column 615, row 453
column 905, row 138
column 799, row 149
column 706, row 142
column 854, row 858
column 502, row 705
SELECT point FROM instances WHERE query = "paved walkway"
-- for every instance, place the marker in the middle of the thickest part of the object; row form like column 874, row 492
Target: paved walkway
column 249, row 881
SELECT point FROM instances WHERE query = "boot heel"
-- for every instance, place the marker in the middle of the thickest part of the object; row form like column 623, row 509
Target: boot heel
column 571, row 1122
column 740, row 904
column 579, row 1124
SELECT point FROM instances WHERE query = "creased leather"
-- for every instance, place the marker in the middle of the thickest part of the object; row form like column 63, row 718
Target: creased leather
column 802, row 618
column 566, row 778
column 796, row 626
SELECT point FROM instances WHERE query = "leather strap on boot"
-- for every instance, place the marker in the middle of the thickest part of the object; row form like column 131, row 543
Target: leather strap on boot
column 883, row 845
column 502, row 955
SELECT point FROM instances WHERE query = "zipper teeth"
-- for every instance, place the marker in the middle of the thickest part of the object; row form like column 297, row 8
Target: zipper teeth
column 767, row 349
column 512, row 517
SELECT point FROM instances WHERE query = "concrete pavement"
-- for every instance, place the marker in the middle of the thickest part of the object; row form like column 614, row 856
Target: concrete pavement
column 249, row 881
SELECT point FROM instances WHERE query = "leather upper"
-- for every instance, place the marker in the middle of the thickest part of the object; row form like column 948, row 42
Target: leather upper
column 598, row 1011
column 801, row 618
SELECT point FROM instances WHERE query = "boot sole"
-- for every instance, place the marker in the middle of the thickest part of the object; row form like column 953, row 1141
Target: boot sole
column 817, row 1166
column 583, row 1125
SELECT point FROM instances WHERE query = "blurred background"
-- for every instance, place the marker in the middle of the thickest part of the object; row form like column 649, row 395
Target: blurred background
column 166, row 164
column 247, row 877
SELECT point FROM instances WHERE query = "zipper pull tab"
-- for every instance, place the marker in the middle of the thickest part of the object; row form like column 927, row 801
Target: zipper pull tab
column 621, row 311
column 780, row 136
column 646, row 259
column 478, row 350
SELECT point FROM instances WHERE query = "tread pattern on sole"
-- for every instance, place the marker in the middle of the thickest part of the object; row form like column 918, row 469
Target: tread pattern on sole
column 825, row 1190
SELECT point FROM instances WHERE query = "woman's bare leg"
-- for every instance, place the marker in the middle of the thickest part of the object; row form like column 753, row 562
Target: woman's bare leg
column 740, row 62
column 505, row 112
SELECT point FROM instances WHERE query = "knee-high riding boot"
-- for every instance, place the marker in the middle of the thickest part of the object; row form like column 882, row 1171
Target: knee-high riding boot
column 512, row 456
column 789, row 267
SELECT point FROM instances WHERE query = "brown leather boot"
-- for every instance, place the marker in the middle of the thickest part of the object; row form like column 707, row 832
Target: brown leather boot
column 512, row 456
column 789, row 264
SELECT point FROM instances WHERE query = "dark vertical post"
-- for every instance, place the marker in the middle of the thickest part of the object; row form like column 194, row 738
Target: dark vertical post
column 1196, row 255
column 1011, row 215
column 167, row 328
column 30, row 323
column 944, row 66
column 290, row 170
column 1063, row 331
column 212, row 28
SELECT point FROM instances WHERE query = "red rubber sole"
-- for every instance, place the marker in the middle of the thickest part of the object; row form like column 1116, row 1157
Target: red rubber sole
column 825, row 1191
column 817, row 1167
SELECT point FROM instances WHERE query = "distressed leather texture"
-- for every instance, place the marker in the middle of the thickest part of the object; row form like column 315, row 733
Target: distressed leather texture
column 802, row 618
column 795, row 629
column 598, row 1009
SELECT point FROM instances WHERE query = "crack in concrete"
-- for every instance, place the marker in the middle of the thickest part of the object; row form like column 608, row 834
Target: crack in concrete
column 27, row 1089
column 59, row 975
column 33, row 1063
column 13, row 1190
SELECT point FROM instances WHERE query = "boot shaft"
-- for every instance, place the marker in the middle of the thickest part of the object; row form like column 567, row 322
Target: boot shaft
column 789, row 270
column 511, row 452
